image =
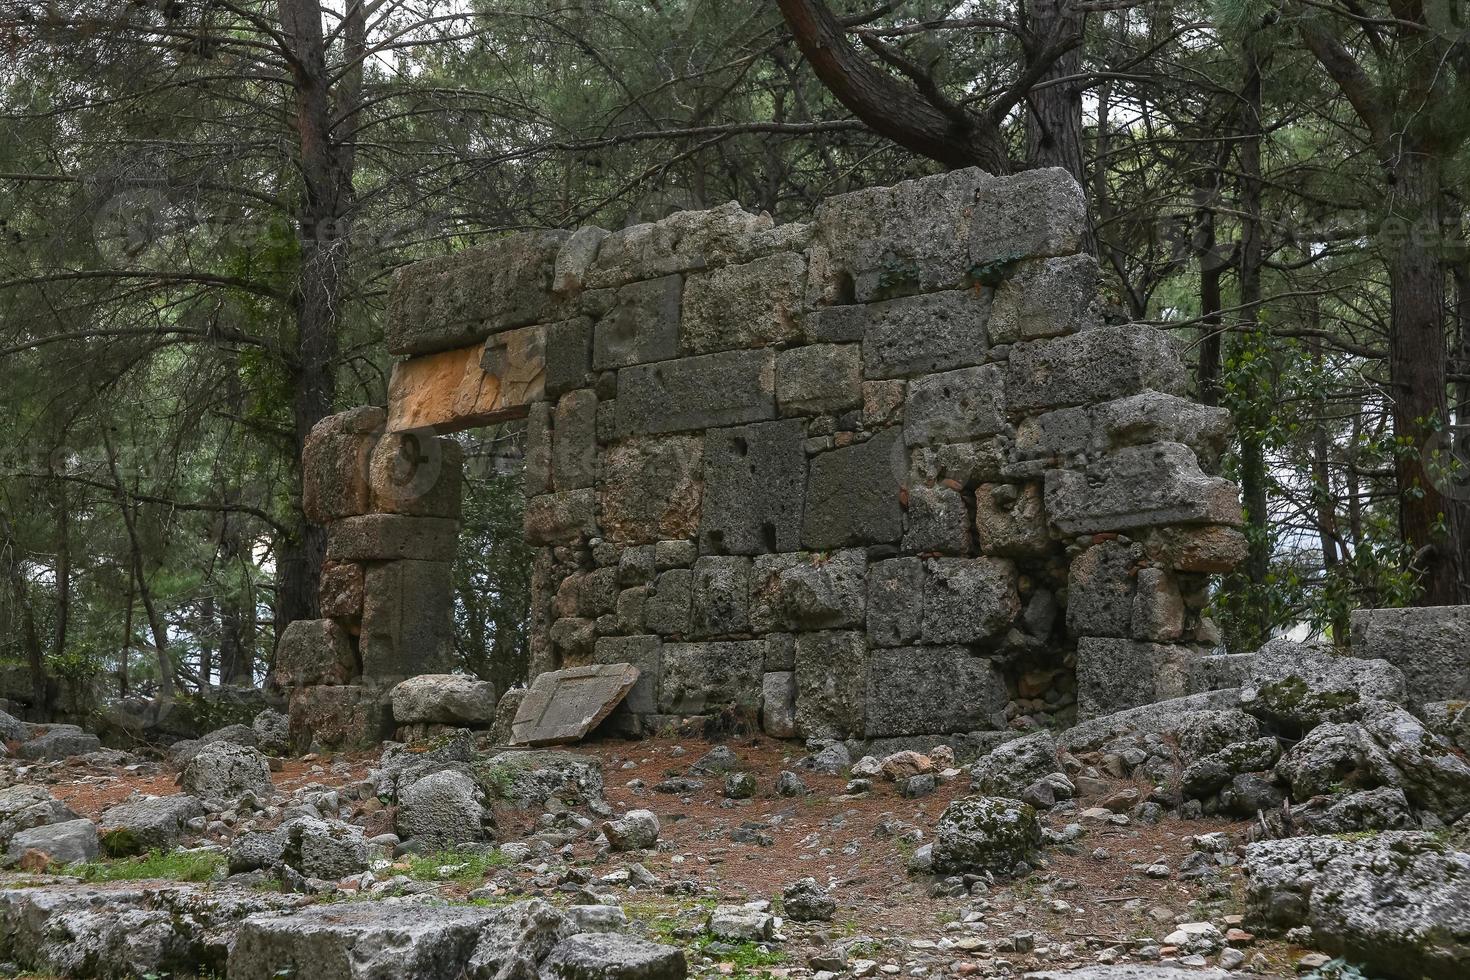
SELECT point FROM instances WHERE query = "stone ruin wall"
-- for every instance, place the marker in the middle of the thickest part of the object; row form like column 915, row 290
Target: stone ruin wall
column 886, row 474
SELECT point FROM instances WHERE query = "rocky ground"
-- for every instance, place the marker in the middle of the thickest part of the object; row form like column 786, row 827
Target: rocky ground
column 1122, row 848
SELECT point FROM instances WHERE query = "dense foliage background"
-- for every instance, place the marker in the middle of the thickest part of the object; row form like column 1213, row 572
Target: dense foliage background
column 202, row 202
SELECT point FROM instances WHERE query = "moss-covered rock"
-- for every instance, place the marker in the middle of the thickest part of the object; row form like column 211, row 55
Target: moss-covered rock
column 986, row 833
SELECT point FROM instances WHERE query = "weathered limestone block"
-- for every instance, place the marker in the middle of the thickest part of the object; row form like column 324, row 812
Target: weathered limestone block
column 568, row 355
column 340, row 592
column 575, row 259
column 852, row 495
column 955, row 406
column 754, row 484
column 1101, row 587
column 936, row 521
column 819, row 378
column 334, row 464
column 1010, row 520
column 408, row 619
column 639, row 325
column 459, row 299
column 561, row 518
column 1043, row 298
column 444, row 699
column 883, row 403
column 1205, row 549
column 1032, row 213
column 720, row 603
column 590, row 594
column 966, row 463
column 1115, row 674
column 931, row 690
column 536, row 465
column 573, row 637
column 643, row 652
column 339, row 717
column 1158, row 607
column 753, row 304
column 778, row 704
column 650, row 489
column 895, row 601
column 1154, row 416
column 574, row 441
column 728, row 388
column 666, row 610
column 916, row 335
column 968, row 600
column 822, row 591
column 385, row 537
column 700, row 677
column 469, row 386
column 1430, row 644
column 418, row 474
column 314, row 651
column 1095, row 365
column 830, row 677
column 687, row 240
column 1141, row 486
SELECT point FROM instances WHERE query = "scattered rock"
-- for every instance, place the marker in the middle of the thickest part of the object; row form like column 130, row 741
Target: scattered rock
column 806, row 901
column 636, row 830
column 222, row 772
column 67, row 842
column 985, row 834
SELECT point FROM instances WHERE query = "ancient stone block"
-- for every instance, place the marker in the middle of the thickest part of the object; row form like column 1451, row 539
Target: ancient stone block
column 575, row 257
column 1092, row 366
column 340, row 592
column 416, row 473
column 383, row 537
column 561, row 518
column 674, row 554
column 459, row 299
column 778, row 704
column 936, row 521
column 590, row 594
column 754, row 483
column 687, row 240
column 1430, row 644
column 1156, row 417
column 852, row 495
column 968, row 600
column 564, row 705
column 1158, row 608
column 700, row 677
column 314, row 651
column 1031, row 213
column 536, row 471
column 573, row 637
column 728, row 388
column 966, row 463
column 753, row 304
column 666, row 610
column 408, row 619
column 809, row 591
column 350, row 717
column 917, row 335
column 931, row 690
column 830, row 679
column 469, row 386
column 1101, row 585
column 1043, row 298
column 1114, row 674
column 334, row 464
column 780, row 652
column 568, row 355
column 820, row 378
column 643, row 652
column 574, row 441
column 1207, row 549
column 956, row 406
column 720, row 601
column 629, row 613
column 1058, row 435
column 1140, row 486
column 1010, row 520
column 641, row 325
column 651, row 489
column 835, row 324
column 895, row 601
column 883, row 403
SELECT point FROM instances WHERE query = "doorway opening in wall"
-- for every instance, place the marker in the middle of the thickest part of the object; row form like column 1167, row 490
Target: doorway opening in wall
column 492, row 566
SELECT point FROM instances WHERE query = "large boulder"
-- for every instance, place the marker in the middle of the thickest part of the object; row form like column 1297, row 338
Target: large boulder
column 150, row 824
column 58, row 743
column 326, row 849
column 1294, row 687
column 527, row 780
column 23, row 807
column 68, row 842
column 1012, row 766
column 1156, row 718
column 272, row 731
column 1396, row 902
column 610, row 956
column 636, row 830
column 444, row 699
column 988, row 833
column 445, row 809
column 222, row 772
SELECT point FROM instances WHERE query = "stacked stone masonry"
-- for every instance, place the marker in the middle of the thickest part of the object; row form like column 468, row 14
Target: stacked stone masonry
column 888, row 473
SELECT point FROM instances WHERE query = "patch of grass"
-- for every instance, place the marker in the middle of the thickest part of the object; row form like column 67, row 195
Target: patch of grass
column 463, row 867
column 744, row 956
column 174, row 866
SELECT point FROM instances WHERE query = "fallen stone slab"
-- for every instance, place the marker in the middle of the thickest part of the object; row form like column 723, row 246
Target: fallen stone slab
column 148, row 929
column 611, row 956
column 444, row 699
column 1159, row 717
column 67, row 842
column 564, row 705
column 61, row 742
column 23, row 807
column 1397, row 902
column 147, row 825
column 1431, row 645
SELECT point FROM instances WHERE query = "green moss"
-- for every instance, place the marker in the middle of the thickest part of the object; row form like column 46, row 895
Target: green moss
column 174, row 866
column 463, row 867
column 121, row 842
column 994, row 272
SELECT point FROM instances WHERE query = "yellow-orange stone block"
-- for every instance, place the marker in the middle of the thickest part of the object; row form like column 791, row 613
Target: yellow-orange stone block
column 453, row 389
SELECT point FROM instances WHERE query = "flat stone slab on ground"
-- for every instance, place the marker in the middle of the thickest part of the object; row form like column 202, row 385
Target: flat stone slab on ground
column 564, row 705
